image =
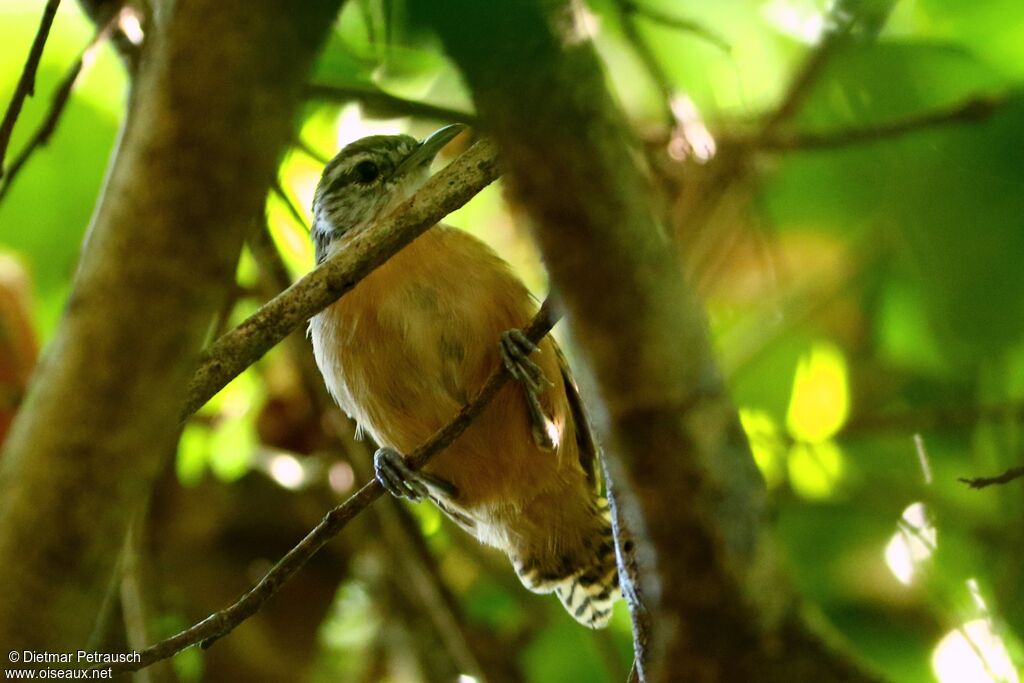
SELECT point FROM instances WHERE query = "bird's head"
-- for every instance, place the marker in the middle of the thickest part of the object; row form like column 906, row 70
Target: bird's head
column 367, row 178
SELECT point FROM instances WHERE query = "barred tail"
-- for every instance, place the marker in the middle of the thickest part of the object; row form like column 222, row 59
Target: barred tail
column 589, row 588
column 590, row 594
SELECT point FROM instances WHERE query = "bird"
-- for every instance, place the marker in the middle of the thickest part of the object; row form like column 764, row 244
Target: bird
column 411, row 344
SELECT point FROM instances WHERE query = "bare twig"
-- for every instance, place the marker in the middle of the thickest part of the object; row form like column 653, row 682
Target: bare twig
column 729, row 176
column 679, row 23
column 403, row 539
column 680, row 466
column 381, row 104
column 27, row 83
column 972, row 110
column 842, row 19
column 1007, row 476
column 309, row 151
column 223, row 318
column 278, row 190
column 655, row 70
column 58, row 103
column 272, row 267
column 443, row 193
column 222, row 622
column 407, row 545
column 811, row 69
column 182, row 171
column 102, row 11
column 938, row 418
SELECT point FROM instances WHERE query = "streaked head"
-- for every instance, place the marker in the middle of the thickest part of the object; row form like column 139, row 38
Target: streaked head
column 369, row 177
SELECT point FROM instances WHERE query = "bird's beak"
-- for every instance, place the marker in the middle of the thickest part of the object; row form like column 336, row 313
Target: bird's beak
column 428, row 148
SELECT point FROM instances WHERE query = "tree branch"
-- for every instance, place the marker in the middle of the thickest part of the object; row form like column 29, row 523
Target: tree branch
column 402, row 539
column 626, row 11
column 59, row 101
column 383, row 105
column 211, row 108
column 730, row 170
column 308, row 150
column 973, row 110
column 222, row 622
column 926, row 418
column 446, row 191
column 678, row 23
column 102, row 11
column 27, row 83
column 296, row 215
column 1004, row 478
column 682, row 474
column 840, row 24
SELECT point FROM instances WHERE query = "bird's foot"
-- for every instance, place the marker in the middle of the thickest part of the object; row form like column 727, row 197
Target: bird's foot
column 515, row 353
column 401, row 481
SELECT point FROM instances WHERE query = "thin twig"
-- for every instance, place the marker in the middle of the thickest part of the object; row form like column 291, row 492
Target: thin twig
column 655, row 70
column 732, row 171
column 679, row 23
column 839, row 27
column 278, row 190
column 403, row 538
column 842, row 19
column 58, row 103
column 972, row 110
column 27, row 83
column 276, row 276
column 102, row 11
column 407, row 545
column 928, row 418
column 222, row 622
column 383, row 105
column 223, row 318
column 132, row 594
column 1007, row 476
column 446, row 191
column 309, row 151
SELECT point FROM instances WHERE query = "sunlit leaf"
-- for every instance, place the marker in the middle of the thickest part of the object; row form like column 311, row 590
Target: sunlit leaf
column 820, row 400
column 815, row 470
column 766, row 442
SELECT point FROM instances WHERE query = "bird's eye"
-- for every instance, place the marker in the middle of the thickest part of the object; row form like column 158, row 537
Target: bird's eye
column 366, row 171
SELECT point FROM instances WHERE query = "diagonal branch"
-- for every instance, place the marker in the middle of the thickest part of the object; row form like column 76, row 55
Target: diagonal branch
column 681, row 470
column 678, row 23
column 293, row 210
column 129, row 49
column 241, row 347
column 626, row 11
column 309, row 151
column 212, row 107
column 973, row 110
column 27, row 83
column 222, row 622
column 402, row 537
column 58, row 103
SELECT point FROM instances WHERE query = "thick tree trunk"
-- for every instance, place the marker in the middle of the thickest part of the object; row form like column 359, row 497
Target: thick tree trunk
column 215, row 92
column 681, row 467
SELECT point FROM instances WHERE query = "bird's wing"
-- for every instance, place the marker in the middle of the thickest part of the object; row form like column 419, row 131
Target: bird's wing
column 584, row 435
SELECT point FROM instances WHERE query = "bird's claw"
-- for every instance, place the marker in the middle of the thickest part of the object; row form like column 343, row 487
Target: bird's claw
column 401, row 481
column 515, row 353
column 395, row 475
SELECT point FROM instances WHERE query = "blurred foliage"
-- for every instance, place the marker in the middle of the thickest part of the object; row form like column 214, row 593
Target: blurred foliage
column 857, row 291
